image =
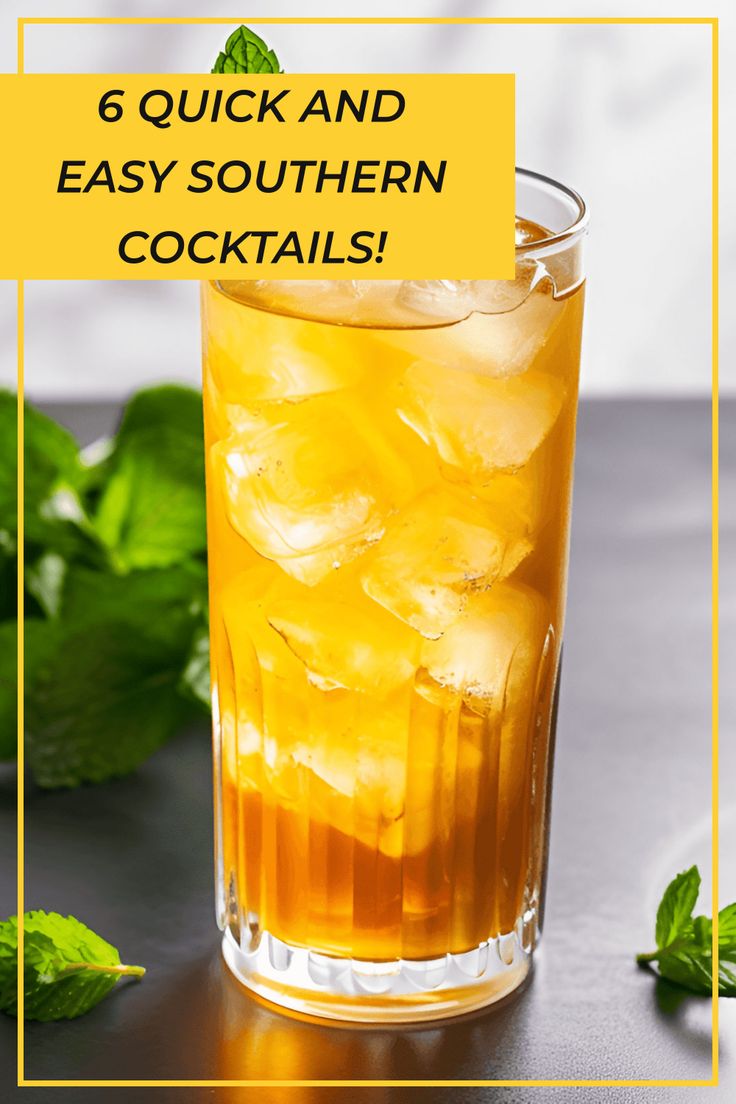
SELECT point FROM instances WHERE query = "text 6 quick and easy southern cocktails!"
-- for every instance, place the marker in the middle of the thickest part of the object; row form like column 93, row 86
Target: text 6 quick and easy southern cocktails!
column 388, row 477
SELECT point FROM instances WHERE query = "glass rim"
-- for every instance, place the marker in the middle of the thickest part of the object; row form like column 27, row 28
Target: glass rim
column 576, row 228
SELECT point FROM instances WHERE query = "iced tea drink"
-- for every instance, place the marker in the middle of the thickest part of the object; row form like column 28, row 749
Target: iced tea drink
column 388, row 479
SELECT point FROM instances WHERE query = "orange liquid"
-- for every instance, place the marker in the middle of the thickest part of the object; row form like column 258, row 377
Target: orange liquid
column 388, row 514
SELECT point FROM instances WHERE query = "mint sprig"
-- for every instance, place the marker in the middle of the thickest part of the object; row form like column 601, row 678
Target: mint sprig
column 53, row 480
column 67, row 968
column 106, row 693
column 684, row 953
column 151, row 512
column 116, row 652
column 8, row 688
column 246, row 52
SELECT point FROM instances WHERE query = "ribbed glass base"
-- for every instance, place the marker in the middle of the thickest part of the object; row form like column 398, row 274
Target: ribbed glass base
column 394, row 992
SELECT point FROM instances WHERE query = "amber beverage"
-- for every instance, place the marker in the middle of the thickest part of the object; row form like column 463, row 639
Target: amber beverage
column 389, row 473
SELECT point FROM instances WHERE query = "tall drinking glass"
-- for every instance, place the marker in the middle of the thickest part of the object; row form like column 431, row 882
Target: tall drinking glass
column 389, row 472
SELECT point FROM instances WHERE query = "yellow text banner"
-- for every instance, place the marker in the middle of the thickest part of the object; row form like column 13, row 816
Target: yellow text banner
column 280, row 177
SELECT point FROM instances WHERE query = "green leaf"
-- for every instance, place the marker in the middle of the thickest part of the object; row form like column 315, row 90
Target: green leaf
column 702, row 932
column 163, row 601
column 40, row 638
column 151, row 512
column 67, row 968
column 727, row 978
column 726, row 950
column 689, row 961
column 8, row 689
column 169, row 405
column 727, row 927
column 106, row 690
column 688, row 967
column 195, row 679
column 45, row 581
column 676, row 906
column 63, row 526
column 110, row 624
column 51, row 463
column 55, row 518
column 105, row 705
column 245, row 52
column 8, row 576
column 684, row 952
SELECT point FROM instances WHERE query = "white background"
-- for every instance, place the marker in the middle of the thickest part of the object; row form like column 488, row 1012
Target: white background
column 622, row 113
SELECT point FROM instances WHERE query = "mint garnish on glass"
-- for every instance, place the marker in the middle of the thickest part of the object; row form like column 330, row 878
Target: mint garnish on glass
column 684, row 942
column 245, row 52
column 68, row 968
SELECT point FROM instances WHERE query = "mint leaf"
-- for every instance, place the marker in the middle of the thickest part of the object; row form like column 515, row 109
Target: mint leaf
column 105, row 705
column 691, row 967
column 727, row 927
column 691, row 963
column 115, row 587
column 67, row 968
column 151, row 511
column 727, row 951
column 685, row 944
column 170, row 405
column 8, row 464
column 45, row 581
column 702, row 937
column 195, row 679
column 105, row 693
column 166, row 603
column 676, row 906
column 51, row 464
column 245, row 52
column 8, row 575
column 8, row 689
column 55, row 518
column 39, row 640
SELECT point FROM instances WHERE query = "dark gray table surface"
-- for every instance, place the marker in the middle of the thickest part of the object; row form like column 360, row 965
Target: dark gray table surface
column 631, row 807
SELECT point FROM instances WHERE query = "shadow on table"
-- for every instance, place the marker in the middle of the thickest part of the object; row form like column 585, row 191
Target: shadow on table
column 672, row 1004
column 257, row 1042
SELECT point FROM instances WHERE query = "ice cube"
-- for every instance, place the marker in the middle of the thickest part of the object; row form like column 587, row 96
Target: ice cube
column 239, row 723
column 476, row 424
column 453, row 300
column 336, row 753
column 506, row 326
column 257, row 355
column 347, row 645
column 562, row 264
column 271, row 686
column 297, row 292
column 526, row 232
column 385, row 775
column 223, row 417
column 441, row 300
column 501, row 296
column 250, row 661
column 296, row 738
column 313, row 490
column 493, row 649
column 565, row 268
column 518, row 500
column 359, row 751
column 442, row 547
column 243, row 602
column 360, row 302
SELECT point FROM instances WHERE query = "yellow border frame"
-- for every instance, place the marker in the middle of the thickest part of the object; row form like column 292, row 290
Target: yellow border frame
column 713, row 1081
